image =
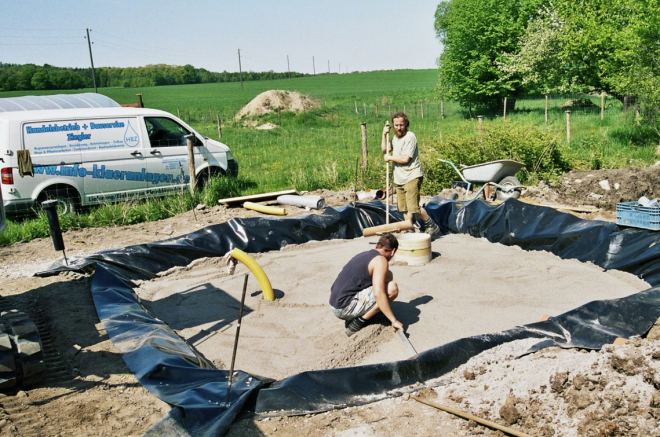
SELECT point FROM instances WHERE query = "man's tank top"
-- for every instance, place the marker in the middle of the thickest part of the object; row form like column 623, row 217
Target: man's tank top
column 353, row 278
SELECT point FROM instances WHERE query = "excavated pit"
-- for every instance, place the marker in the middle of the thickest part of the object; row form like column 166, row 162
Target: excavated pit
column 470, row 287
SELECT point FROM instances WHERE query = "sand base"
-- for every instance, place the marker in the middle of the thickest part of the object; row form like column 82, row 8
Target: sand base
column 470, row 287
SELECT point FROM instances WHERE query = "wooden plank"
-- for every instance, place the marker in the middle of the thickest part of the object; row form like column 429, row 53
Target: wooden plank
column 254, row 197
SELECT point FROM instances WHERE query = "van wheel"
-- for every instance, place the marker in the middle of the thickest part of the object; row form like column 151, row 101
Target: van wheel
column 68, row 201
column 205, row 175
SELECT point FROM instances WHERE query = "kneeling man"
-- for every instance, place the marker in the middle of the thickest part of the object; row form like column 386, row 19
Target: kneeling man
column 365, row 287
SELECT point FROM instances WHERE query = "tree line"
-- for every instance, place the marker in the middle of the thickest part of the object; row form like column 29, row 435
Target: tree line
column 495, row 49
column 25, row 77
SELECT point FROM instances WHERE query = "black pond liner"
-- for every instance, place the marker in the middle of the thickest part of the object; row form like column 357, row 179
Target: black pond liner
column 172, row 370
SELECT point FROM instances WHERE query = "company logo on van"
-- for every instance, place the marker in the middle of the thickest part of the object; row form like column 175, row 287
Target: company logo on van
column 81, row 135
column 131, row 138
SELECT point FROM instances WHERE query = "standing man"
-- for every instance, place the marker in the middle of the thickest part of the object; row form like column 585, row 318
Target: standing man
column 365, row 287
column 408, row 173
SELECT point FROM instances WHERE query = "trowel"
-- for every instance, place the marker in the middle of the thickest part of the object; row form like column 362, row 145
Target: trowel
column 402, row 335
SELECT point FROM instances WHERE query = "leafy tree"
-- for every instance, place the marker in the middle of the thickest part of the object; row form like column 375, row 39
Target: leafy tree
column 476, row 34
column 538, row 55
column 40, row 80
column 594, row 45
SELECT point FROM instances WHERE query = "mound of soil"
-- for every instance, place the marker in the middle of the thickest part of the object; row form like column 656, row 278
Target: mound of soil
column 601, row 188
column 277, row 101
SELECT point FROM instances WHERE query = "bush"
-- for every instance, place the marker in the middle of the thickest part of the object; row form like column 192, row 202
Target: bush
column 539, row 152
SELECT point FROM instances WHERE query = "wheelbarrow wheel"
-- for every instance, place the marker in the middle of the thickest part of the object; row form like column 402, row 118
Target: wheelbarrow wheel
column 511, row 188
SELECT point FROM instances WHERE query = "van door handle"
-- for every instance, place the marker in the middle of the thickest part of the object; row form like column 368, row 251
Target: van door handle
column 155, row 152
column 136, row 153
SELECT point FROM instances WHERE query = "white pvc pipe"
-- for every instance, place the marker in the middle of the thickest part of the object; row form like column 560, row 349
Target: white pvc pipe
column 314, row 202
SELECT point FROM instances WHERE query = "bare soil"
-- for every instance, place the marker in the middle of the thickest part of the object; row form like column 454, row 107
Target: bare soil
column 91, row 392
column 602, row 189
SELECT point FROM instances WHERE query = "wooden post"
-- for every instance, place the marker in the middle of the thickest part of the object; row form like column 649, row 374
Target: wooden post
column 442, row 109
column 219, row 123
column 602, row 105
column 504, row 113
column 421, row 108
column 191, row 164
column 387, row 176
column 546, row 109
column 403, row 225
column 356, row 110
column 365, row 149
column 140, row 101
column 480, row 123
column 568, row 127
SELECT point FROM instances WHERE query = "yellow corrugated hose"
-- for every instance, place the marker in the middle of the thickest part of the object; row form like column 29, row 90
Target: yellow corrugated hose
column 257, row 271
column 272, row 210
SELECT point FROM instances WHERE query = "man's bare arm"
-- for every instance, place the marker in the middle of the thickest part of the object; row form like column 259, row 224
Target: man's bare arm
column 379, row 283
column 398, row 159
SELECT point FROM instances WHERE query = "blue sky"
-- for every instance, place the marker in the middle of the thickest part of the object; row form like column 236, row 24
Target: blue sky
column 358, row 35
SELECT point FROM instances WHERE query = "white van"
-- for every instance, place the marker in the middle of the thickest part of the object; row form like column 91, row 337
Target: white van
column 2, row 213
column 91, row 155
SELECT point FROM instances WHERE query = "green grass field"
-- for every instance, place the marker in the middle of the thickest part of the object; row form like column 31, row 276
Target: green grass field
column 320, row 148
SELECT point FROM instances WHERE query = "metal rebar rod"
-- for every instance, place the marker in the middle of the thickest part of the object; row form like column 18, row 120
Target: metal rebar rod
column 238, row 331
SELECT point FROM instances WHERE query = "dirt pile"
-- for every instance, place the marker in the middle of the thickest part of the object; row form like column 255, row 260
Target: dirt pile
column 276, row 101
column 601, row 188
column 613, row 391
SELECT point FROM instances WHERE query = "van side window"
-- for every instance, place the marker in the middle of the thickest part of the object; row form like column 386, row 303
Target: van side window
column 165, row 132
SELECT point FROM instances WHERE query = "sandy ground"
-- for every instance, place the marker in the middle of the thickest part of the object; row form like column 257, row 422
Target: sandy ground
column 89, row 391
column 471, row 287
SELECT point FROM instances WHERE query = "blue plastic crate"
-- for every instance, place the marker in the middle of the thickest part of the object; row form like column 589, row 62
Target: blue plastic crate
column 633, row 214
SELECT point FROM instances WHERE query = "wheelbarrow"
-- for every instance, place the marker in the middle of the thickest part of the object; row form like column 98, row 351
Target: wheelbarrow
column 497, row 174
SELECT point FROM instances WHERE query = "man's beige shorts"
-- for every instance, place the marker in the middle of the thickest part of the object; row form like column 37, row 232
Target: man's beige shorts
column 359, row 305
column 407, row 196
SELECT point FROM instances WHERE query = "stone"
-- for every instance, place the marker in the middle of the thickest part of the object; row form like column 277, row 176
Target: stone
column 509, row 413
column 605, row 184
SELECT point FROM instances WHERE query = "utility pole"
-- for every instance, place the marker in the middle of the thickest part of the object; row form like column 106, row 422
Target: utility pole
column 313, row 65
column 288, row 68
column 240, row 71
column 328, row 66
column 91, row 60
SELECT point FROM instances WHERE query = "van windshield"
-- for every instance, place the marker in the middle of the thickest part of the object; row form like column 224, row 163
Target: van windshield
column 165, row 132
